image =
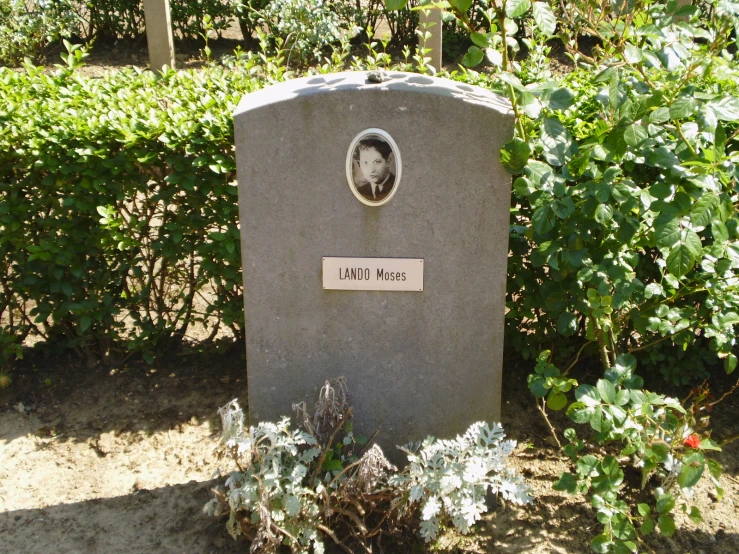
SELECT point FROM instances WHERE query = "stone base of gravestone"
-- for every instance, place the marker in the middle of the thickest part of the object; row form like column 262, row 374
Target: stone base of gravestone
column 417, row 362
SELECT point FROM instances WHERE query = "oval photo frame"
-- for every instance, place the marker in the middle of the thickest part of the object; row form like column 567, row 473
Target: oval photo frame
column 373, row 167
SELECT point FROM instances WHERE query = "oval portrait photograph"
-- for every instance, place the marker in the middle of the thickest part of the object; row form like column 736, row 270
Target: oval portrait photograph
column 373, row 167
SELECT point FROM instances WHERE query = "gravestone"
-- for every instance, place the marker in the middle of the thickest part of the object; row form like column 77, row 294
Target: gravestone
column 374, row 227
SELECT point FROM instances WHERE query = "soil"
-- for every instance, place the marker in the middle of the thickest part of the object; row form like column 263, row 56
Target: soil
column 121, row 460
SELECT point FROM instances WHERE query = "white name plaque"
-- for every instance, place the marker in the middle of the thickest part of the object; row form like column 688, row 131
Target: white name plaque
column 404, row 274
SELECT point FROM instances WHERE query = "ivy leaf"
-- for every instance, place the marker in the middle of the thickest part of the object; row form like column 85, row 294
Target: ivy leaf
column 544, row 18
column 516, row 8
column 514, row 155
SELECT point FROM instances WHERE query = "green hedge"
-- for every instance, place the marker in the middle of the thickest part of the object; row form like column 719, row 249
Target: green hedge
column 118, row 207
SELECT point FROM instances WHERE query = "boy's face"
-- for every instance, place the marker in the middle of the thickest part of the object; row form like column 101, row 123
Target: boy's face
column 374, row 167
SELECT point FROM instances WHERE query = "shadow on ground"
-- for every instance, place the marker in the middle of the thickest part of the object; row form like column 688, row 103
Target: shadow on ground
column 167, row 519
column 68, row 401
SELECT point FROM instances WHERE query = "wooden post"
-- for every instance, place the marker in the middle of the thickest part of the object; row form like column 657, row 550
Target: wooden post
column 159, row 34
column 429, row 23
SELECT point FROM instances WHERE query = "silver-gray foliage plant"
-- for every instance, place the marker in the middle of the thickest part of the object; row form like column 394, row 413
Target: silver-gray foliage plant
column 292, row 487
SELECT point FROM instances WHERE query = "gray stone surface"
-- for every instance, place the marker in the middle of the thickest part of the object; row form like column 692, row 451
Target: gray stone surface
column 416, row 363
column 159, row 34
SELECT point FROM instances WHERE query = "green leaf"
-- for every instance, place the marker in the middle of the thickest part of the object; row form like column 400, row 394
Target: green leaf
column 714, row 468
column 481, row 40
column 702, row 212
column 587, row 466
column 635, row 134
column 667, row 230
column 579, row 412
column 665, row 503
column 662, row 157
column 542, row 220
column 633, row 54
column 644, row 509
column 394, row 5
column 690, row 475
column 726, row 108
column 516, row 8
column 514, row 155
column 607, row 391
column 647, row 527
column 680, row 260
column 709, row 444
column 601, row 544
column 85, row 322
column 332, row 465
column 682, row 107
column 567, row 482
column 567, row 324
column 660, row 115
column 544, row 18
column 603, row 213
column 462, row 5
column 556, row 401
column 560, row 99
column 666, row 525
column 557, row 141
column 473, row 57
column 730, row 363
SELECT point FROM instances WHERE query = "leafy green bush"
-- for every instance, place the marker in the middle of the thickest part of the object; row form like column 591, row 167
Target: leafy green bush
column 27, row 26
column 118, row 206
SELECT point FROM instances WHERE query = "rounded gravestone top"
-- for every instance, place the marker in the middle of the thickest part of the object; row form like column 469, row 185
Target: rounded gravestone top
column 373, row 81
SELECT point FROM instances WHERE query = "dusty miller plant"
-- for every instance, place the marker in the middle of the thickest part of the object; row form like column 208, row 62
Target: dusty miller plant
column 297, row 487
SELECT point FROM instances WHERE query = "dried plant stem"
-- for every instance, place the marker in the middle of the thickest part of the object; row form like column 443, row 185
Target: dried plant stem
column 327, row 447
column 334, row 538
column 542, row 408
column 727, row 393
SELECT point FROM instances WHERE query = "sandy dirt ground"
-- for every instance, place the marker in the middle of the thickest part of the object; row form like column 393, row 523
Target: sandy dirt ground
column 122, row 461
